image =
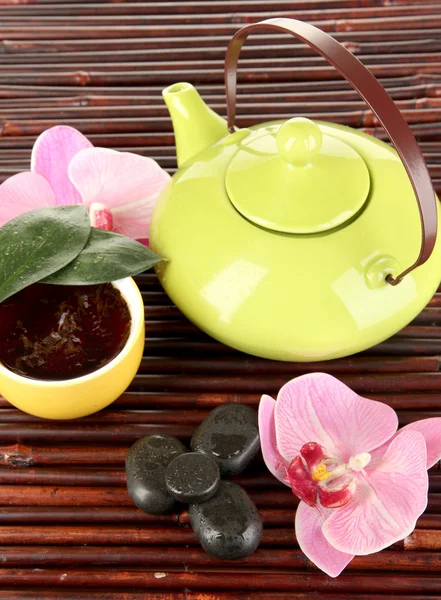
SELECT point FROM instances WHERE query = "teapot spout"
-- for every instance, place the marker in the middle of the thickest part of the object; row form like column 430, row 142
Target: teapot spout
column 195, row 125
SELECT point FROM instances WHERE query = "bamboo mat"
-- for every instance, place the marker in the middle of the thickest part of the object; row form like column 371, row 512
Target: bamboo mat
column 67, row 527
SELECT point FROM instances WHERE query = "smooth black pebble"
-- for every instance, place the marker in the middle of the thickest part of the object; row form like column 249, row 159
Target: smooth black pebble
column 147, row 461
column 192, row 477
column 230, row 435
column 228, row 525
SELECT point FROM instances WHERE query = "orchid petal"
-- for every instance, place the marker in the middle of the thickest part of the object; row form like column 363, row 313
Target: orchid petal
column 267, row 432
column 126, row 183
column 313, row 543
column 24, row 192
column 431, row 430
column 51, row 155
column 299, row 478
column 134, row 219
column 387, row 502
column 319, row 408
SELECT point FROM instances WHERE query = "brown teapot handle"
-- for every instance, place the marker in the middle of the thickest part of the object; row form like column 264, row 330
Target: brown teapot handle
column 375, row 96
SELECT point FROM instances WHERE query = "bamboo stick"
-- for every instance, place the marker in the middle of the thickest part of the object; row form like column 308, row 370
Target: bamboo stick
column 160, row 417
column 419, row 96
column 189, row 61
column 180, row 400
column 412, row 107
column 76, row 7
column 45, row 594
column 293, row 86
column 63, row 496
column 426, row 332
column 80, row 515
column 47, row 32
column 247, row 579
column 111, row 535
column 426, row 539
column 67, row 476
column 75, row 432
column 427, row 84
column 123, row 51
column 417, row 382
column 95, row 77
column 202, row 6
column 72, row 7
column 177, row 327
column 351, row 112
column 175, row 557
column 106, row 535
column 181, row 346
column 246, row 366
column 371, row 38
column 246, row 16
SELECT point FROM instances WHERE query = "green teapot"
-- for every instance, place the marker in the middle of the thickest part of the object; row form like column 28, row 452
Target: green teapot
column 297, row 240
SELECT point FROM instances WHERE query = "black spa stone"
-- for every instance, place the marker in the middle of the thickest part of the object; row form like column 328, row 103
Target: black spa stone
column 228, row 525
column 192, row 477
column 230, row 436
column 147, row 461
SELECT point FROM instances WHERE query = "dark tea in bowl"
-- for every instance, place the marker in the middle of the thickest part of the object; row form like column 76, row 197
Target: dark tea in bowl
column 62, row 332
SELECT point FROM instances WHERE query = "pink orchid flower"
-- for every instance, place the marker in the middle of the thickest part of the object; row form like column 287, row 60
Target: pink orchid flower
column 362, row 484
column 119, row 188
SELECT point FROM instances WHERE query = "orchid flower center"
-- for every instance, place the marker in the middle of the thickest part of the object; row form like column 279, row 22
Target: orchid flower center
column 101, row 216
column 355, row 463
column 321, row 473
column 315, row 477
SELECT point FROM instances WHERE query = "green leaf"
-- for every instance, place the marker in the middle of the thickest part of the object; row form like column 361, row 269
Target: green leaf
column 39, row 243
column 106, row 257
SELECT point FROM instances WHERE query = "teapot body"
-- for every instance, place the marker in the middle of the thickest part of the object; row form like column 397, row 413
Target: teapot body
column 293, row 297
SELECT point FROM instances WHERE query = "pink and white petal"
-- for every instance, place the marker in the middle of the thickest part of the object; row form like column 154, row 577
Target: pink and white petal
column 24, row 192
column 429, row 428
column 431, row 431
column 268, row 442
column 319, row 408
column 133, row 220
column 51, row 155
column 312, row 542
column 387, row 502
column 117, row 179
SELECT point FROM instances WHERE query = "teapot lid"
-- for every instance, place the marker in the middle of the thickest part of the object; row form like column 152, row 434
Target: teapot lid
column 293, row 178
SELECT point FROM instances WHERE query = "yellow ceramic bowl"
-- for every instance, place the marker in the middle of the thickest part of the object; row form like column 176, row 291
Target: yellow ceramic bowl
column 72, row 398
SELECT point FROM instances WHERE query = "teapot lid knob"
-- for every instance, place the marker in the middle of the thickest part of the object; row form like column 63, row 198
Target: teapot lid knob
column 298, row 141
column 297, row 177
